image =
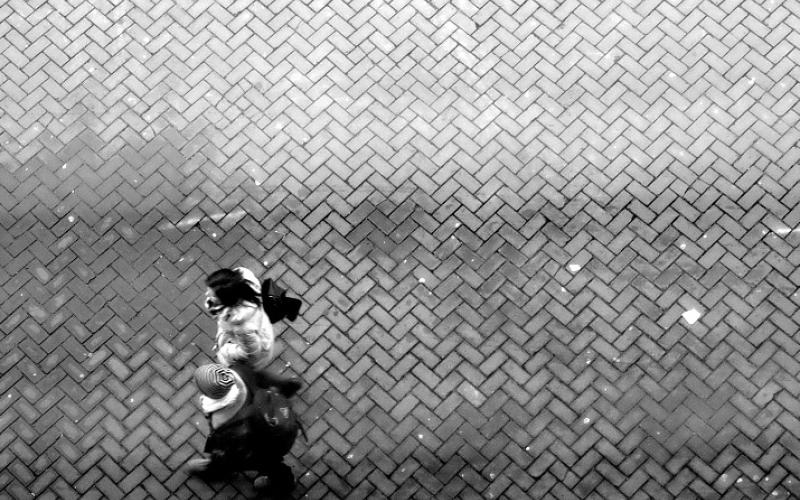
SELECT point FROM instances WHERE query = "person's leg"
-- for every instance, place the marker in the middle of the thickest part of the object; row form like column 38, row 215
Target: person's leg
column 283, row 478
column 198, row 465
column 275, row 476
column 207, row 466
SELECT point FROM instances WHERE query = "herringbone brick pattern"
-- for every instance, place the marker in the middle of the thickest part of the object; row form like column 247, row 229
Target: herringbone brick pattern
column 497, row 212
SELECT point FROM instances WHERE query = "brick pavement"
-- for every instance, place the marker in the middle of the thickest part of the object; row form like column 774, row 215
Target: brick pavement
column 497, row 212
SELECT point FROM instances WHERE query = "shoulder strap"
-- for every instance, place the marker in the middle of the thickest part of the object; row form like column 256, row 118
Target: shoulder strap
column 269, row 414
column 302, row 428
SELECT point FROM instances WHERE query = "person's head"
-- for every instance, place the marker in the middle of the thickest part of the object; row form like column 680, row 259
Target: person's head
column 214, row 381
column 229, row 288
column 221, row 387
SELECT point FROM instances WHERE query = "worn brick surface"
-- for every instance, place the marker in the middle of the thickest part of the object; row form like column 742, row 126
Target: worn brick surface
column 495, row 211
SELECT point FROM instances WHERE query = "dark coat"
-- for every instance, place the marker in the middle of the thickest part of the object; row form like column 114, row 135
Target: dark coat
column 246, row 441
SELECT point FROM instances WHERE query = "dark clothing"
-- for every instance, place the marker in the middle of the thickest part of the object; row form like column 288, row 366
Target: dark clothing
column 276, row 304
column 244, row 441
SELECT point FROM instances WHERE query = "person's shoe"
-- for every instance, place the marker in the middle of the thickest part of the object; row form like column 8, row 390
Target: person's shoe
column 261, row 483
column 291, row 386
column 198, row 465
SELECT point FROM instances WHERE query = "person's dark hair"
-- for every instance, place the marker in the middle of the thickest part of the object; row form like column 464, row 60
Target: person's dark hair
column 230, row 288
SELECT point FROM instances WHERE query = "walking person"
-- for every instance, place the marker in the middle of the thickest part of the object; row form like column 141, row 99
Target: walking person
column 252, row 425
column 245, row 311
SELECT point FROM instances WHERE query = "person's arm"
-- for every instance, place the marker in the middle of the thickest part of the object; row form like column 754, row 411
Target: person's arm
column 286, row 385
column 266, row 378
column 212, row 304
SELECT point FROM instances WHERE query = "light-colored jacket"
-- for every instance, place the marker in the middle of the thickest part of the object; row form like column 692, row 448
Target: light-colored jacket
column 244, row 331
